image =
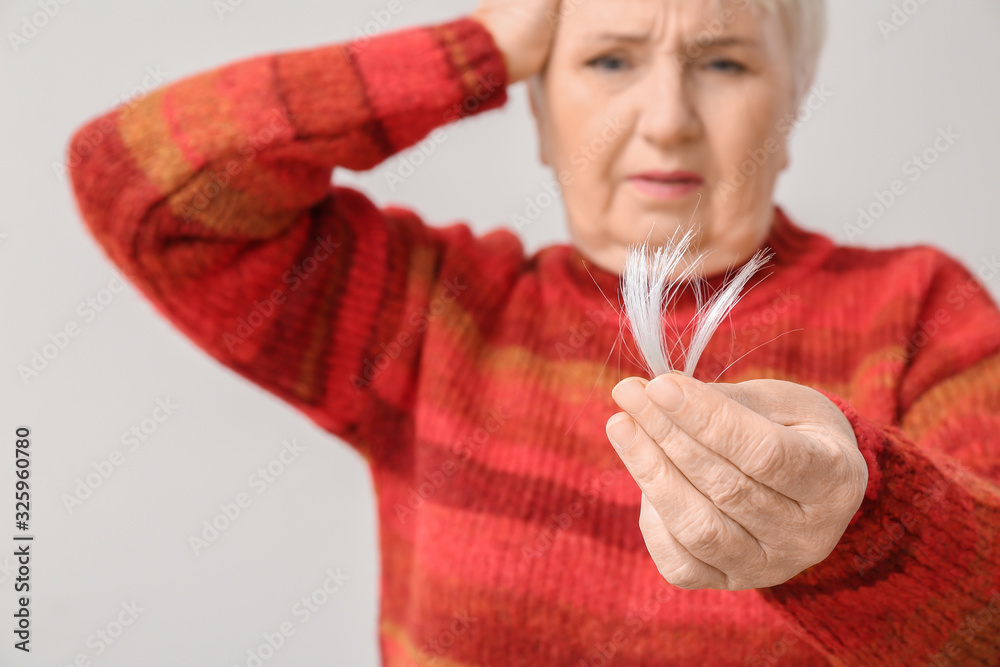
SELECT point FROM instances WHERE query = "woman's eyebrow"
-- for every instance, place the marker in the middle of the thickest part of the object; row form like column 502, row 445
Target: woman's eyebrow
column 726, row 40
column 703, row 42
column 619, row 37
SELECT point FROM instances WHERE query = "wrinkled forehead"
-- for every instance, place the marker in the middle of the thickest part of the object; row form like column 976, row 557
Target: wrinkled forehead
column 686, row 20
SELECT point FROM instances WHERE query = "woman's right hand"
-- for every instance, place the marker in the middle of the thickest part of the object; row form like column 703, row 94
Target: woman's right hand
column 523, row 30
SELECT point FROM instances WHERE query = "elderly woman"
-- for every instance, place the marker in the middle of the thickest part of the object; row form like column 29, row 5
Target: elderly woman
column 830, row 499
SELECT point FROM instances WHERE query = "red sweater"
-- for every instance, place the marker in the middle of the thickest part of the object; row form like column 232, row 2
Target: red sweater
column 476, row 380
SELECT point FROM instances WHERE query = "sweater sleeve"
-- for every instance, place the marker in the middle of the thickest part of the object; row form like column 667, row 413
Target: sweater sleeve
column 915, row 579
column 213, row 195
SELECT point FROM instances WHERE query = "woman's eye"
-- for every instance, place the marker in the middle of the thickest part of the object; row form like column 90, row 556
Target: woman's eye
column 607, row 62
column 727, row 66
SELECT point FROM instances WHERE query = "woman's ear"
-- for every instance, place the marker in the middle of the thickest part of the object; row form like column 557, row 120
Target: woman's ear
column 536, row 100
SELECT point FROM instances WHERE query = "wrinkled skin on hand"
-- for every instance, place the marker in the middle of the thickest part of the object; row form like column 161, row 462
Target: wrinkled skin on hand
column 743, row 485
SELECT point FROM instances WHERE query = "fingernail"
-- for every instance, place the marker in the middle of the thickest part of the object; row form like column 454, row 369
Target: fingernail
column 621, row 433
column 665, row 392
column 629, row 395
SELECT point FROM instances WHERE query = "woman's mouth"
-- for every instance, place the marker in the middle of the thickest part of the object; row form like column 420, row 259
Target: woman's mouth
column 666, row 185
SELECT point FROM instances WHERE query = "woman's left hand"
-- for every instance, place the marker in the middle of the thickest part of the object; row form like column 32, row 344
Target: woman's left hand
column 743, row 485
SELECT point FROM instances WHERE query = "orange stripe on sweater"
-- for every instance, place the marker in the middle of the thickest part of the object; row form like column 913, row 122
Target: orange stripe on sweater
column 146, row 133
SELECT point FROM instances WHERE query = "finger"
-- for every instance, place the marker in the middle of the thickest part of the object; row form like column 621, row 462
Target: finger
column 787, row 408
column 704, row 530
column 673, row 561
column 752, row 505
column 774, row 455
column 753, row 394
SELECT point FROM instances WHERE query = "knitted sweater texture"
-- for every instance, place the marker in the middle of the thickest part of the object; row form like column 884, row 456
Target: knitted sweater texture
column 476, row 379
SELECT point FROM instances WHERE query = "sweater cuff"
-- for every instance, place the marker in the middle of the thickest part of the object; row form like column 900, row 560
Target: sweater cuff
column 375, row 96
column 905, row 563
column 417, row 79
column 908, row 504
column 871, row 443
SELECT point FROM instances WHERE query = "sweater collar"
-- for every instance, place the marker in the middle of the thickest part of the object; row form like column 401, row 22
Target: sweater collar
column 795, row 251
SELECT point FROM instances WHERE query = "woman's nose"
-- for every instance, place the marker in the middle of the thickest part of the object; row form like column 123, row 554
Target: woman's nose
column 666, row 111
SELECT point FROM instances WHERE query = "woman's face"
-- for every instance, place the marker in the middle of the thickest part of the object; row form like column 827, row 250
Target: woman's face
column 637, row 90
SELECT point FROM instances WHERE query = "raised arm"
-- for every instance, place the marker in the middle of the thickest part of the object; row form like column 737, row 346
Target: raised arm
column 213, row 195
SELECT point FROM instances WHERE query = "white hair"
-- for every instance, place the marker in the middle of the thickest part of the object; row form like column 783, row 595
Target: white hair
column 805, row 28
column 648, row 292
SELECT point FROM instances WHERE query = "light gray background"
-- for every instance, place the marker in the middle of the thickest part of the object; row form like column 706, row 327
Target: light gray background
column 129, row 540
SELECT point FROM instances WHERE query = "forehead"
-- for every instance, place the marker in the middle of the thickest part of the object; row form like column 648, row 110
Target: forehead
column 688, row 19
